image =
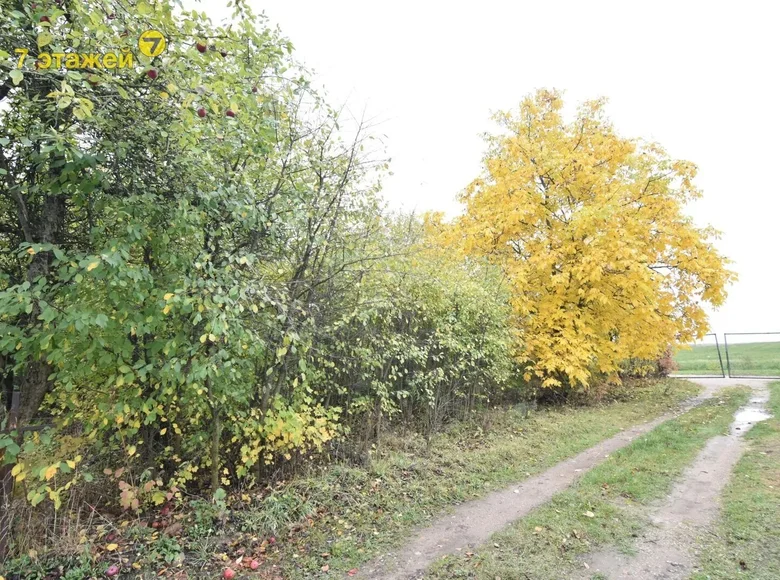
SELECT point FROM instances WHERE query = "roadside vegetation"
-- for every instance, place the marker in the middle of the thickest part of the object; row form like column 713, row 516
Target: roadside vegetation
column 746, row 544
column 607, row 507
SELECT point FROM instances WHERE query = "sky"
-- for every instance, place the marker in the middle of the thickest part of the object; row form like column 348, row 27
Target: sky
column 700, row 78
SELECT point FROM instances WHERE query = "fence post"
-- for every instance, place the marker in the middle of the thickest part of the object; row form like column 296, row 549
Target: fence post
column 726, row 346
column 720, row 358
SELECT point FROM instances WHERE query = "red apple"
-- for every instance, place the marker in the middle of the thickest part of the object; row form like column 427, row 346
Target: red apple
column 201, row 112
column 254, row 89
column 112, row 570
column 33, row 6
column 111, row 16
column 201, row 47
column 45, row 19
column 230, row 113
column 254, row 564
column 271, row 540
column 151, row 73
column 228, row 574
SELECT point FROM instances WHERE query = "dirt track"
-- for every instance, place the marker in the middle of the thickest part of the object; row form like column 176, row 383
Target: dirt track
column 667, row 549
column 474, row 522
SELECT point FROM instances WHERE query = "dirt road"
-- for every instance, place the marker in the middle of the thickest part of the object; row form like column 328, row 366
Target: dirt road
column 667, row 549
column 474, row 522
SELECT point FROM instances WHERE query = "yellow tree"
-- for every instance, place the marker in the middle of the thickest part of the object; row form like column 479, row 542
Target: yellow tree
column 590, row 231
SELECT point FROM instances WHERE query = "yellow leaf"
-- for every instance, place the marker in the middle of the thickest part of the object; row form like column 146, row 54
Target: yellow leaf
column 212, row 338
column 169, row 295
column 166, row 310
column 163, row 431
column 30, row 251
column 17, row 468
column 112, row 547
column 203, row 338
column 93, row 265
column 131, row 450
column 71, row 464
column 254, row 308
column 50, row 472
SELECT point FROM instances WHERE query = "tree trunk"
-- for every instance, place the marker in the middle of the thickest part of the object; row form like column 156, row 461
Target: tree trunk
column 216, row 434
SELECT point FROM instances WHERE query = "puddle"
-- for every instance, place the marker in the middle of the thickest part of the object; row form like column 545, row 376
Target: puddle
column 745, row 418
column 751, row 416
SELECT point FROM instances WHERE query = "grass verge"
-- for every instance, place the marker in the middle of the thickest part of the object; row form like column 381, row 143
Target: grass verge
column 746, row 543
column 605, row 508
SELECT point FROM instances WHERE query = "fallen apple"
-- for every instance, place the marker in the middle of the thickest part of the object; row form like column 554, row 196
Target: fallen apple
column 228, row 574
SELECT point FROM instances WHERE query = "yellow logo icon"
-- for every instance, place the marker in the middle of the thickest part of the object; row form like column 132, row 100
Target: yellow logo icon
column 152, row 43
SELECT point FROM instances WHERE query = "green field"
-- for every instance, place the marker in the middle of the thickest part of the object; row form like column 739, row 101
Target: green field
column 761, row 359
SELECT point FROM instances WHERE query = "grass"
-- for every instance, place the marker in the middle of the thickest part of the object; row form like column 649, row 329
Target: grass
column 746, row 543
column 361, row 512
column 748, row 359
column 340, row 516
column 607, row 507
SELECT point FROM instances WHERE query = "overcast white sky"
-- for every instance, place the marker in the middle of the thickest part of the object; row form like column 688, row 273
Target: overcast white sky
column 701, row 78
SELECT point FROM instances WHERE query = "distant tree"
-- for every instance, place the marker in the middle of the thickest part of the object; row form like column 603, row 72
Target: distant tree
column 589, row 227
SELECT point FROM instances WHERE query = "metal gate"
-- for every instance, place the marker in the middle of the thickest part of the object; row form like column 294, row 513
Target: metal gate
column 746, row 359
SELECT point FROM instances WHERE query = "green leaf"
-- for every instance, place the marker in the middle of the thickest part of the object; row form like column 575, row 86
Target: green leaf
column 16, row 76
column 45, row 38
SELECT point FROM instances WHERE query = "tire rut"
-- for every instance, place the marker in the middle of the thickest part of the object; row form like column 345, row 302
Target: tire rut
column 474, row 522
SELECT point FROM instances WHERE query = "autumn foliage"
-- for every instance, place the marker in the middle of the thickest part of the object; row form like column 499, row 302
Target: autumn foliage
column 590, row 229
